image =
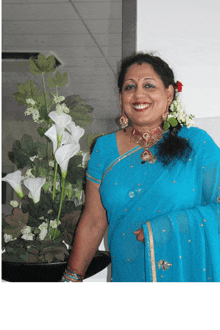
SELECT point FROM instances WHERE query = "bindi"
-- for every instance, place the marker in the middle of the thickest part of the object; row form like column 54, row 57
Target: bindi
column 139, row 64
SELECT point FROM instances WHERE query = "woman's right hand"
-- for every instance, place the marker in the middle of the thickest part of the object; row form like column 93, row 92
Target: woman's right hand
column 140, row 235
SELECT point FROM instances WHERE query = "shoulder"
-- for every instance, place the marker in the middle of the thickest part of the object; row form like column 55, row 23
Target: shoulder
column 202, row 143
column 193, row 133
column 104, row 142
column 196, row 136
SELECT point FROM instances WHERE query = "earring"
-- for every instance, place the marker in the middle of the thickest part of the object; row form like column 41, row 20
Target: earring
column 123, row 120
column 165, row 115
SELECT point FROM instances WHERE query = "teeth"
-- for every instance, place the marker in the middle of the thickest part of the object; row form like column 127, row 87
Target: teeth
column 140, row 106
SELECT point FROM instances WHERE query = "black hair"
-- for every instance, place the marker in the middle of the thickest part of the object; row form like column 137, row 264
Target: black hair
column 172, row 146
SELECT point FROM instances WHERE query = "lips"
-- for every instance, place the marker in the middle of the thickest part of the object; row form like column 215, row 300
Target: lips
column 141, row 106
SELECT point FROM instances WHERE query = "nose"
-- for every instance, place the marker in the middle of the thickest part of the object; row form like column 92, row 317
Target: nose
column 140, row 92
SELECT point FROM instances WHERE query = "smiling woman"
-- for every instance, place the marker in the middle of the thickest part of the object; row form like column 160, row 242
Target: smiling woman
column 144, row 97
column 155, row 183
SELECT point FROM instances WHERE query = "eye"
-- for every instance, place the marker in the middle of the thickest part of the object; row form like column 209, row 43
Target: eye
column 149, row 86
column 130, row 86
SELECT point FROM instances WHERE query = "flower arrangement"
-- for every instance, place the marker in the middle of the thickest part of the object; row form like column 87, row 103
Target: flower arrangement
column 42, row 224
column 177, row 113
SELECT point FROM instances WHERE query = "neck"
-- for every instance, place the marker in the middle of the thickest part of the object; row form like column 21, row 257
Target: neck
column 146, row 127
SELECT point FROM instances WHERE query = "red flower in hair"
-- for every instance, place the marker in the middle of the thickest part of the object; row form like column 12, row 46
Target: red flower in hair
column 178, row 86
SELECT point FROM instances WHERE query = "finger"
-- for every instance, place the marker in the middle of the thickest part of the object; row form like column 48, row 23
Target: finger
column 140, row 236
column 136, row 232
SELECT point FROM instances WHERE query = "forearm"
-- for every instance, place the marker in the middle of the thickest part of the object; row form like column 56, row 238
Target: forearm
column 86, row 242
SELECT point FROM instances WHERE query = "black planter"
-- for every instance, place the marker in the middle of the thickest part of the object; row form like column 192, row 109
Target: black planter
column 49, row 272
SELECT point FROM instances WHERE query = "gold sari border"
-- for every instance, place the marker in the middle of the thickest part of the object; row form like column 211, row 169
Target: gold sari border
column 152, row 253
column 89, row 176
column 109, row 168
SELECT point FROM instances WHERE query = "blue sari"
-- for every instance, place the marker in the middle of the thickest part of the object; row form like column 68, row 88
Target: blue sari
column 177, row 206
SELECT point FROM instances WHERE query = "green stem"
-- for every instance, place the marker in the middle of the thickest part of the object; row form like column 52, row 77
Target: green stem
column 45, row 91
column 61, row 198
column 54, row 178
column 55, row 168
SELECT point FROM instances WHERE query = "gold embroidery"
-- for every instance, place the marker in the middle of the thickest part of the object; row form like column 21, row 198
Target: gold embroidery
column 89, row 176
column 164, row 264
column 119, row 159
column 153, row 264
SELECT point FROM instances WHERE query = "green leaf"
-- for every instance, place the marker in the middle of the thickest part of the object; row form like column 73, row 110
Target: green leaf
column 28, row 146
column 41, row 99
column 44, row 114
column 27, row 90
column 173, row 122
column 34, row 67
column 62, row 80
column 42, row 147
column 42, row 61
column 166, row 125
column 51, row 82
column 79, row 110
column 41, row 131
column 18, row 157
column 42, row 64
column 16, row 222
column 51, row 64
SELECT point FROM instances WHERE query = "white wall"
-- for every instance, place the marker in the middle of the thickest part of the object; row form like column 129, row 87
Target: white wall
column 186, row 35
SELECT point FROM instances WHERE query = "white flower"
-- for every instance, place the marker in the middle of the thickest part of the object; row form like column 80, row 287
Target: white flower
column 36, row 116
column 14, row 179
column 51, row 163
column 29, row 174
column 14, row 203
column 61, row 121
column 60, row 108
column 8, row 238
column 76, row 132
column 43, row 234
column 178, row 112
column 44, row 225
column 65, row 108
column 33, row 158
column 53, row 223
column 63, row 155
column 34, row 185
column 26, row 230
column 85, row 159
column 58, row 99
column 27, row 235
column 30, row 101
column 51, row 133
column 28, row 111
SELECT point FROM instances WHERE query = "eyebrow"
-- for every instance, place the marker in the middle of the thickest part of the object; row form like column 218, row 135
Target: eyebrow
column 144, row 79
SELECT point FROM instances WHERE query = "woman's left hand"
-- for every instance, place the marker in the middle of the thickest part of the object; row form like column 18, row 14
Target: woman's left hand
column 140, row 235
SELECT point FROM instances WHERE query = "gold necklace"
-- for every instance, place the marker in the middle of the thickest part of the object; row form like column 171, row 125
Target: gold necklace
column 146, row 140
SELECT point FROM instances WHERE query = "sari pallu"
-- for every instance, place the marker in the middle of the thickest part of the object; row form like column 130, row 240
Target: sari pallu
column 177, row 208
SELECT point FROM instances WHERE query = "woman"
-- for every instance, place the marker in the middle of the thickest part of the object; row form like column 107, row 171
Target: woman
column 157, row 189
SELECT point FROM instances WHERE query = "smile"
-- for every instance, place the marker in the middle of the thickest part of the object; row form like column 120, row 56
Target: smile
column 141, row 106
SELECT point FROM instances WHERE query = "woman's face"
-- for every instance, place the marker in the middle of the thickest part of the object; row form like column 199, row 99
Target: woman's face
column 144, row 97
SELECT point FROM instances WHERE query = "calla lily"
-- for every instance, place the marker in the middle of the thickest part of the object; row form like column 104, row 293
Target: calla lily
column 34, row 185
column 76, row 131
column 14, row 179
column 61, row 121
column 85, row 159
column 51, row 133
column 63, row 155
